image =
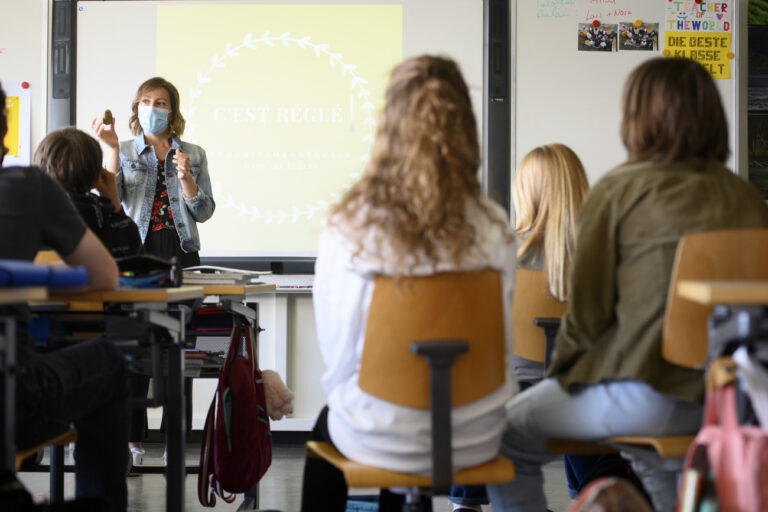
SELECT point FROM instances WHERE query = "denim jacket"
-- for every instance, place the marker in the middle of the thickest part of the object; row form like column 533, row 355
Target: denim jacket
column 137, row 179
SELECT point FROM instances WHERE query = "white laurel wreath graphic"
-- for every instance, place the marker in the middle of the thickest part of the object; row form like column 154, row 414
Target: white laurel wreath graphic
column 335, row 60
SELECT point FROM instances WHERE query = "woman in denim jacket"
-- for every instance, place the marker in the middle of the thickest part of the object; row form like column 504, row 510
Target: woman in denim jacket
column 162, row 181
column 164, row 187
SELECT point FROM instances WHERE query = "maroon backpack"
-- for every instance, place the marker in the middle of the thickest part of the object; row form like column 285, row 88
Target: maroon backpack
column 237, row 444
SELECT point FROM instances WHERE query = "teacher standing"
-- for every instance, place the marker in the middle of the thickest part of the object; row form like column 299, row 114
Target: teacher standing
column 162, row 181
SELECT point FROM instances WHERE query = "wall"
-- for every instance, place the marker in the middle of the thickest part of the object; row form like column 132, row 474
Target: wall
column 574, row 97
column 24, row 54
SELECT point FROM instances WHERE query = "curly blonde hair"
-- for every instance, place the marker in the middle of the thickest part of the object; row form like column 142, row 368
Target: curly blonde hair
column 422, row 172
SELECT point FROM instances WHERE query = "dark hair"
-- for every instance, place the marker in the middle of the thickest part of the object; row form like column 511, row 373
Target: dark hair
column 71, row 157
column 672, row 112
column 175, row 123
column 3, row 124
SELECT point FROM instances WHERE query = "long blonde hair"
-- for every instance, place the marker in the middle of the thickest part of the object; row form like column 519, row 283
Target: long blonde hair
column 422, row 171
column 548, row 188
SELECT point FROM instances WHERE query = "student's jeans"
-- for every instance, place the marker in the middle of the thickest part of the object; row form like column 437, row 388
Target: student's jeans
column 580, row 470
column 619, row 408
column 85, row 385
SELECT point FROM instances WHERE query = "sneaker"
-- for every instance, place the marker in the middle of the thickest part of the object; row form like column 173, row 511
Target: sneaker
column 165, row 457
column 138, row 456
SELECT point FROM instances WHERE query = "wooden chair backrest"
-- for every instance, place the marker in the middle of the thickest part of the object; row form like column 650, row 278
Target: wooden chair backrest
column 47, row 257
column 453, row 305
column 711, row 255
column 532, row 299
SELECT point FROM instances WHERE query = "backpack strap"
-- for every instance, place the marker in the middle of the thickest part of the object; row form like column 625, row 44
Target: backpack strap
column 250, row 344
column 207, row 484
column 234, row 347
column 204, row 494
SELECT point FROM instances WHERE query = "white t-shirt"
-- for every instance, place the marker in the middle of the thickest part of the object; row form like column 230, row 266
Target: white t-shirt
column 378, row 433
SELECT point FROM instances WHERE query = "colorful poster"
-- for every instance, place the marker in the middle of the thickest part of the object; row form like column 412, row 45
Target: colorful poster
column 18, row 116
column 700, row 31
column 691, row 16
column 711, row 50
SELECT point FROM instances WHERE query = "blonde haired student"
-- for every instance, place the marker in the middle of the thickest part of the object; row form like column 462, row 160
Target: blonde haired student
column 417, row 210
column 548, row 187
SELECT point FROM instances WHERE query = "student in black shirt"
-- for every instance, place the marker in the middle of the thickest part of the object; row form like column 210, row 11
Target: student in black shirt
column 73, row 158
column 85, row 385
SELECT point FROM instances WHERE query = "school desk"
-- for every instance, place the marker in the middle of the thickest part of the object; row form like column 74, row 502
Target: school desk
column 232, row 300
column 150, row 317
column 8, row 319
column 724, row 292
column 739, row 309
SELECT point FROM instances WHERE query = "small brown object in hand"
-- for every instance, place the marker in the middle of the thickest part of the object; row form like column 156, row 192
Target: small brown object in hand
column 107, row 117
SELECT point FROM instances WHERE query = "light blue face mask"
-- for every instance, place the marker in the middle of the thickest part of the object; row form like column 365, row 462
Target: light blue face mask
column 153, row 120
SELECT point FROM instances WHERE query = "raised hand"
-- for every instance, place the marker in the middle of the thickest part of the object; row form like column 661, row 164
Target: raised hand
column 105, row 132
column 181, row 161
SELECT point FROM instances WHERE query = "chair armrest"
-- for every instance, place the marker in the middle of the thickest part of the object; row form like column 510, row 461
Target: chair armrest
column 550, row 325
column 440, row 355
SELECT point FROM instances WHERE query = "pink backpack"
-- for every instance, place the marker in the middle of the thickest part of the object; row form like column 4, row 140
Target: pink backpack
column 237, row 444
column 737, row 456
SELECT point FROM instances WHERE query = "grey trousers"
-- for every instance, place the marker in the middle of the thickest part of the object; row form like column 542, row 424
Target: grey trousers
column 620, row 408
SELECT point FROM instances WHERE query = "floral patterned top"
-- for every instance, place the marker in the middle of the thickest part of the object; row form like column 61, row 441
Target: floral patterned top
column 162, row 216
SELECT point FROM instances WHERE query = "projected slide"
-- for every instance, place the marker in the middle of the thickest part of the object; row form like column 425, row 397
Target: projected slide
column 284, row 99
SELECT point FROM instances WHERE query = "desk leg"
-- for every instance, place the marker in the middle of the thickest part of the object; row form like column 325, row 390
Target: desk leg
column 8, row 362
column 56, row 477
column 250, row 499
column 176, row 435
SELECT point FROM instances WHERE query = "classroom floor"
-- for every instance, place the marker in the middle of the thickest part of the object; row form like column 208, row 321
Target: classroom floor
column 280, row 489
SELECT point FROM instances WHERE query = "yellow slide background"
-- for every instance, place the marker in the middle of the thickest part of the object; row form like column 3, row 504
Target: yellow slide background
column 284, row 99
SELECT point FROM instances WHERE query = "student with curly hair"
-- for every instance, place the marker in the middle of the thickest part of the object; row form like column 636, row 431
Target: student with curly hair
column 417, row 210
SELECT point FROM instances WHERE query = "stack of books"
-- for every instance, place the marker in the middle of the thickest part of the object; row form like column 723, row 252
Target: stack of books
column 220, row 276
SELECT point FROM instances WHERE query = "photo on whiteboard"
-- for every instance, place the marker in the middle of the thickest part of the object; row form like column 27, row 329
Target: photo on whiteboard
column 595, row 37
column 638, row 36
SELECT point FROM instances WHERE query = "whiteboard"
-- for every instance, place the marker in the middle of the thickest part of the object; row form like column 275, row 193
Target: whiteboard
column 574, row 97
column 305, row 66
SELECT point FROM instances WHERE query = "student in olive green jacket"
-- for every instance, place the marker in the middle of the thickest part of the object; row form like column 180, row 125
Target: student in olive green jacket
column 608, row 377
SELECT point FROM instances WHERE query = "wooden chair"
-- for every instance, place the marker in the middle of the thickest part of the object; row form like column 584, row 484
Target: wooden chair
column 723, row 254
column 444, row 317
column 533, row 301
column 48, row 258
column 57, row 445
column 726, row 254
